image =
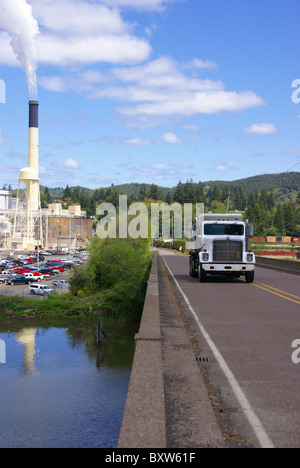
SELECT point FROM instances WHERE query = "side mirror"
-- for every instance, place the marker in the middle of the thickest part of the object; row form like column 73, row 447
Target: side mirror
column 250, row 231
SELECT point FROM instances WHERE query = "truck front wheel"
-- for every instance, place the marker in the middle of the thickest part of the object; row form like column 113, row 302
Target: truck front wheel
column 249, row 276
column 202, row 274
column 193, row 271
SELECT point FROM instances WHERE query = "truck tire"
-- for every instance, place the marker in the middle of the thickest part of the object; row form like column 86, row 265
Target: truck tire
column 202, row 274
column 249, row 276
column 193, row 272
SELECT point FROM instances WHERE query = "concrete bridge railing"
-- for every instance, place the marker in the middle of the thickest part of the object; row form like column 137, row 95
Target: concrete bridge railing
column 144, row 422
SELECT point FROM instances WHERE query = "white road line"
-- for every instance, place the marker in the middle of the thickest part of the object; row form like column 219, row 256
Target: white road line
column 250, row 414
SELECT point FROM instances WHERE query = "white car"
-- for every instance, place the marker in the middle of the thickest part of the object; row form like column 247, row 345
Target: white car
column 8, row 273
column 40, row 289
column 60, row 284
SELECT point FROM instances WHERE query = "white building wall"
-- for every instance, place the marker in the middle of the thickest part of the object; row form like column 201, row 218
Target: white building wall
column 5, row 200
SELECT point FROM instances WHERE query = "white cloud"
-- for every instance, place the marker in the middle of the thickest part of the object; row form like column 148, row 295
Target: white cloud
column 193, row 127
column 171, row 138
column 221, row 166
column 142, row 5
column 164, row 73
column 297, row 152
column 80, row 33
column 53, row 83
column 1, row 137
column 71, row 164
column 76, row 32
column 55, row 50
column 78, row 16
column 198, row 103
column 136, row 142
column 202, row 64
column 262, row 129
column 170, row 166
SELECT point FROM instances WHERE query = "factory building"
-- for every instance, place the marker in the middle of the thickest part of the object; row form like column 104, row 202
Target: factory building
column 24, row 226
column 5, row 200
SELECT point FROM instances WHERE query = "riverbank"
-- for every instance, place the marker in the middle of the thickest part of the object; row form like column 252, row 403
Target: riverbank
column 55, row 307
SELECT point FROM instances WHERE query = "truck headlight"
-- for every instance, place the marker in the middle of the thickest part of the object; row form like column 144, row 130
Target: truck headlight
column 250, row 257
column 205, row 257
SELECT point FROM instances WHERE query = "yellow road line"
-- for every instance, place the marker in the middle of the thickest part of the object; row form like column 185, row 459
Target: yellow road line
column 276, row 294
column 275, row 289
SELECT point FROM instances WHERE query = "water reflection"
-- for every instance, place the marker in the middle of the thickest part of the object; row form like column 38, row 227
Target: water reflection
column 60, row 389
column 27, row 338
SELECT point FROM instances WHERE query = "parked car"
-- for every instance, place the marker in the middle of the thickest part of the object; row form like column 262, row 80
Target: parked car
column 60, row 284
column 20, row 279
column 46, row 271
column 35, row 276
column 20, row 271
column 40, row 289
column 56, row 267
column 7, row 274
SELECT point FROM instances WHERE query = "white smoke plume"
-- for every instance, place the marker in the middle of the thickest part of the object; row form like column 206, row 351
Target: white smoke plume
column 17, row 20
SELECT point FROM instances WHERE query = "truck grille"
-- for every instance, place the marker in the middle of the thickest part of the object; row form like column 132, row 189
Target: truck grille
column 228, row 251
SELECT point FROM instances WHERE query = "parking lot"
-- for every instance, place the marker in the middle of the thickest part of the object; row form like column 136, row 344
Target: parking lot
column 22, row 290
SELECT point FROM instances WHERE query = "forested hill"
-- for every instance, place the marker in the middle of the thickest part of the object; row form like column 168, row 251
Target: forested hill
column 271, row 201
column 283, row 183
column 286, row 185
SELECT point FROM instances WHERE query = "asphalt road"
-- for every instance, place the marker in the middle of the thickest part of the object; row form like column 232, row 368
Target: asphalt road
column 244, row 333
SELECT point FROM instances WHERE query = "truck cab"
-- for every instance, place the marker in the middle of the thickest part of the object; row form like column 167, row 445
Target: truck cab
column 221, row 247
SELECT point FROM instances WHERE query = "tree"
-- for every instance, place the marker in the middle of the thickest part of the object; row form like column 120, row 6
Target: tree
column 216, row 194
column 190, row 194
column 240, row 200
column 48, row 196
column 179, row 193
column 168, row 198
column 279, row 222
column 271, row 201
column 117, row 271
column 154, row 192
column 200, row 195
column 143, row 192
column 263, row 201
column 290, row 218
column 67, row 193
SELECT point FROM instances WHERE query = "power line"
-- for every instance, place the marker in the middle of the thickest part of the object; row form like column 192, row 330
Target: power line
column 293, row 167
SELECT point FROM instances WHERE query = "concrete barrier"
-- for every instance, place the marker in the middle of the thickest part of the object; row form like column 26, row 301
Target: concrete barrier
column 286, row 266
column 144, row 424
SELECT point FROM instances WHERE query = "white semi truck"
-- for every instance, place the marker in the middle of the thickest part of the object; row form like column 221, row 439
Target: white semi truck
column 221, row 247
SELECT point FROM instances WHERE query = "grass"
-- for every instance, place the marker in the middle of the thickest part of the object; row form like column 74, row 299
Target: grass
column 55, row 307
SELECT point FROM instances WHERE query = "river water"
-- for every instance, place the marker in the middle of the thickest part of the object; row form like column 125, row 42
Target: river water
column 58, row 389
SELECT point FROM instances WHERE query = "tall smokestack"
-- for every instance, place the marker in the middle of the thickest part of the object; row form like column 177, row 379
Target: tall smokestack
column 25, row 220
column 33, row 142
column 30, row 175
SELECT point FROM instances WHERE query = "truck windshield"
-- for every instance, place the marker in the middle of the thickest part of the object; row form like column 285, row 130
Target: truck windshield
column 223, row 229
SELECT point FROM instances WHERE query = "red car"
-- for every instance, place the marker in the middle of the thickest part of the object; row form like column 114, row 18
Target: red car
column 21, row 271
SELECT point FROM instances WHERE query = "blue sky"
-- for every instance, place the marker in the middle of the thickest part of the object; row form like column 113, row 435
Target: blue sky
column 150, row 91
